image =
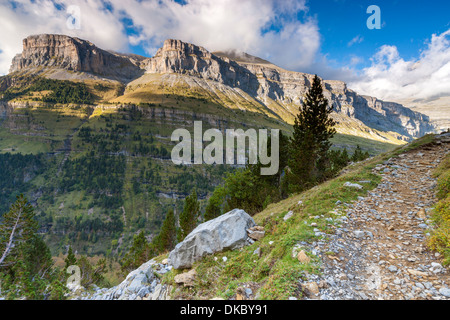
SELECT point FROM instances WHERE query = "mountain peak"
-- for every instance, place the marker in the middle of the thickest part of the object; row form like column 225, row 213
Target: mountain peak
column 178, row 45
column 70, row 53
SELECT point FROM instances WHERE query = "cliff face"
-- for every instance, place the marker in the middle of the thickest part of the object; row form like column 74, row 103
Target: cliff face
column 377, row 114
column 178, row 57
column 74, row 54
column 268, row 83
column 270, row 86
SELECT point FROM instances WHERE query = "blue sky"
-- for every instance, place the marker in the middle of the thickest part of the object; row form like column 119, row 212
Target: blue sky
column 407, row 24
column 409, row 57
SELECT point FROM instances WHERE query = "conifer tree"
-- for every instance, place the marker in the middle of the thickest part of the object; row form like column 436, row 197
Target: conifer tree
column 168, row 235
column 70, row 259
column 26, row 269
column 309, row 145
column 17, row 226
column 359, row 155
column 140, row 252
column 189, row 216
column 213, row 208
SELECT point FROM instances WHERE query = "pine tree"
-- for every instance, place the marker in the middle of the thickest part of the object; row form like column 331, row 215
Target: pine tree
column 309, row 145
column 18, row 226
column 359, row 155
column 70, row 260
column 167, row 237
column 27, row 267
column 213, row 208
column 189, row 216
column 37, row 256
column 141, row 251
column 91, row 274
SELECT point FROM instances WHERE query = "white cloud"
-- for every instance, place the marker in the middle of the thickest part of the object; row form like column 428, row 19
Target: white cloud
column 355, row 60
column 390, row 77
column 266, row 28
column 21, row 18
column 228, row 24
column 357, row 39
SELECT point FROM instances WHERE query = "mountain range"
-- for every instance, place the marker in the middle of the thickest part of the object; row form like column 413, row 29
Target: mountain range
column 85, row 132
column 231, row 79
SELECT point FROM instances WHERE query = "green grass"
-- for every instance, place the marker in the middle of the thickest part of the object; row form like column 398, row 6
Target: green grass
column 17, row 143
column 39, row 128
column 374, row 147
column 439, row 239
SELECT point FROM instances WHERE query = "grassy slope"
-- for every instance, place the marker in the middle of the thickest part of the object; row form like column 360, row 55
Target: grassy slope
column 440, row 237
column 276, row 272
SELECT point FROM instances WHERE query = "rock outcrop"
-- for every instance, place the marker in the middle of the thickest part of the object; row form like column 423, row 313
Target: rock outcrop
column 60, row 51
column 176, row 56
column 140, row 284
column 226, row 232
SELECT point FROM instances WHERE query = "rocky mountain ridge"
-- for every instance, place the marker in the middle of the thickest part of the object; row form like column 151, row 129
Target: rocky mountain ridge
column 270, row 87
column 271, row 84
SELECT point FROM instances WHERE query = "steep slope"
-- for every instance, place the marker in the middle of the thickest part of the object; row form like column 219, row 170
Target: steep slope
column 360, row 236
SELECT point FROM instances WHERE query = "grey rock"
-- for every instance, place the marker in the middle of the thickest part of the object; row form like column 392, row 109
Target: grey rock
column 445, row 292
column 157, row 292
column 228, row 231
column 359, row 234
column 392, row 268
column 353, row 185
column 143, row 291
column 288, row 215
column 137, row 282
column 61, row 51
column 436, row 265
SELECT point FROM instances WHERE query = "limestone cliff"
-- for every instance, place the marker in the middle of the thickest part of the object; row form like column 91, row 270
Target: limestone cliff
column 270, row 85
column 60, row 51
column 254, row 80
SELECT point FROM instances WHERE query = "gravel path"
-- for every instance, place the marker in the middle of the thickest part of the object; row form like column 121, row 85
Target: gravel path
column 380, row 251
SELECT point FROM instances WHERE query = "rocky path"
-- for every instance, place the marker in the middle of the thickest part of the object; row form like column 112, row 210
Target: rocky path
column 380, row 251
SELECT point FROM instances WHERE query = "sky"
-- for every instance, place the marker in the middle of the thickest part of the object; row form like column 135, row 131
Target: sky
column 407, row 57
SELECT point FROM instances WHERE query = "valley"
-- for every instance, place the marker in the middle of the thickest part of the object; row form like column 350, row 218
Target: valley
column 96, row 126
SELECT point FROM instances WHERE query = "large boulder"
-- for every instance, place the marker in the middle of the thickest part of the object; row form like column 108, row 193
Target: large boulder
column 226, row 232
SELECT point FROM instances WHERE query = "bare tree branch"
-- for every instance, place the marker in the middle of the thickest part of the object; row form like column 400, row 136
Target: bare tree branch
column 11, row 238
